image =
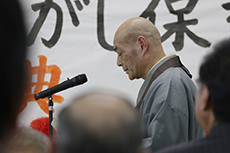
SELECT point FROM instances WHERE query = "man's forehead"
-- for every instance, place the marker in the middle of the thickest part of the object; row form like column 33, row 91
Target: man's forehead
column 117, row 43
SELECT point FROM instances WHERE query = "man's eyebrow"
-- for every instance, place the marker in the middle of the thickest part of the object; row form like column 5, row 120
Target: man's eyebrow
column 115, row 48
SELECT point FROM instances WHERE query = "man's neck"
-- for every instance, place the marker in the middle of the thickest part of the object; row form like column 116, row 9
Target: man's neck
column 155, row 60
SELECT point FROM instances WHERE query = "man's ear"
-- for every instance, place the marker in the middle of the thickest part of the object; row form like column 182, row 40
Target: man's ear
column 206, row 101
column 142, row 42
column 206, row 107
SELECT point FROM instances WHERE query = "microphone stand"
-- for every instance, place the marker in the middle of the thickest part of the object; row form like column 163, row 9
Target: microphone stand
column 50, row 104
column 80, row 79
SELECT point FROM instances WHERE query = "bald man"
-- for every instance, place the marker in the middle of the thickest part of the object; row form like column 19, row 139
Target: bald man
column 166, row 98
column 99, row 123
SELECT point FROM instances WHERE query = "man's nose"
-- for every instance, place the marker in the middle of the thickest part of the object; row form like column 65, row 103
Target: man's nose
column 119, row 63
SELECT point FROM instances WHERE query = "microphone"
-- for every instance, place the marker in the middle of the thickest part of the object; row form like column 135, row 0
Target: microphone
column 78, row 80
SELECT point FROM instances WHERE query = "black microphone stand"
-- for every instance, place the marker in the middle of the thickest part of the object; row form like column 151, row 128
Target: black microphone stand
column 80, row 79
column 50, row 104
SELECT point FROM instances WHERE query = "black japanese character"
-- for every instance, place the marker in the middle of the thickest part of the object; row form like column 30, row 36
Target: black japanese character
column 180, row 28
column 149, row 11
column 226, row 6
column 100, row 26
column 72, row 12
column 44, row 8
column 79, row 4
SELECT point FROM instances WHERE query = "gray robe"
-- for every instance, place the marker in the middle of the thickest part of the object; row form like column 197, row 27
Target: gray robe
column 168, row 108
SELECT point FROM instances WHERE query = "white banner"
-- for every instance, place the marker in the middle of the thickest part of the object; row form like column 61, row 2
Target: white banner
column 71, row 37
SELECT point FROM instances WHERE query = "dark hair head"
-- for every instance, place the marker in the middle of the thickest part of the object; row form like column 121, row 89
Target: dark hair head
column 13, row 53
column 215, row 73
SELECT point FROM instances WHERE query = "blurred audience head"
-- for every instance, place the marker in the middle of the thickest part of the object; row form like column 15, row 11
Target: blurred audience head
column 213, row 99
column 28, row 140
column 98, row 122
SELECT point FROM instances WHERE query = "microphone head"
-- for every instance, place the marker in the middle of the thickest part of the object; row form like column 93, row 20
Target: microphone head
column 80, row 79
column 36, row 96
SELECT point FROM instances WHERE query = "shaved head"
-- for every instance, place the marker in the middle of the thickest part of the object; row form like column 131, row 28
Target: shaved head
column 137, row 26
column 137, row 43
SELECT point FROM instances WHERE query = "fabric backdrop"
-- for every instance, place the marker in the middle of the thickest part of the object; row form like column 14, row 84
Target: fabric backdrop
column 72, row 37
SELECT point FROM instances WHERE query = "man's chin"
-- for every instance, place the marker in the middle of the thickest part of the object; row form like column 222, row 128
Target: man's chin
column 131, row 78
